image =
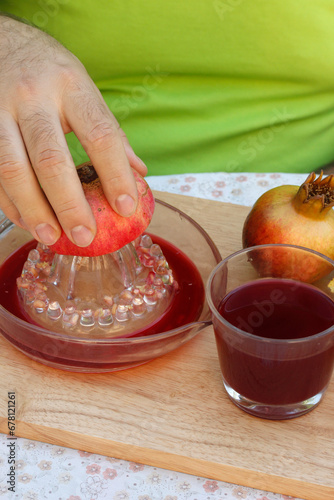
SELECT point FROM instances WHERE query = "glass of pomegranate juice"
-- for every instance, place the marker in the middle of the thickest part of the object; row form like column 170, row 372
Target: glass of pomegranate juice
column 273, row 316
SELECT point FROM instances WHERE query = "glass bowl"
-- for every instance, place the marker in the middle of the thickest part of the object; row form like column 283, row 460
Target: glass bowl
column 59, row 350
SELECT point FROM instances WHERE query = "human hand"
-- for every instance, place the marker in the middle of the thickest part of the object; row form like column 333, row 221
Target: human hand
column 45, row 92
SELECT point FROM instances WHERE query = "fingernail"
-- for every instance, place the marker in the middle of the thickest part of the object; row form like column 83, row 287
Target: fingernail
column 46, row 234
column 82, row 236
column 125, row 205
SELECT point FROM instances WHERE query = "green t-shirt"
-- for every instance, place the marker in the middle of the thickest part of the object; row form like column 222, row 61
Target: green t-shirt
column 220, row 85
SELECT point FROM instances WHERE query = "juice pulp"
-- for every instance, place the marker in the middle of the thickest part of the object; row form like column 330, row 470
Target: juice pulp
column 275, row 372
column 185, row 308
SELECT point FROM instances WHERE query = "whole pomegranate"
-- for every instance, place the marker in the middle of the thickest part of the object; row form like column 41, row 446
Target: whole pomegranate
column 113, row 230
column 300, row 216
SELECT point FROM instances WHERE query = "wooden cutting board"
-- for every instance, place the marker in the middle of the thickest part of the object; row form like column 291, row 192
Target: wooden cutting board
column 173, row 412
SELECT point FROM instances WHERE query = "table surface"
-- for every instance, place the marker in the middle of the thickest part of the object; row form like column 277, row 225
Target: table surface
column 46, row 471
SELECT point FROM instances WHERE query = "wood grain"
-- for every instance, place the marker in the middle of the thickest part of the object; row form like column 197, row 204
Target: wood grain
column 173, row 412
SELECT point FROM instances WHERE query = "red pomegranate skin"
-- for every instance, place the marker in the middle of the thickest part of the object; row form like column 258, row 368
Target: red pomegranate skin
column 113, row 230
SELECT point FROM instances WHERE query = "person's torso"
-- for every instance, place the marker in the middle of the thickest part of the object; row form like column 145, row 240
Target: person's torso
column 207, row 86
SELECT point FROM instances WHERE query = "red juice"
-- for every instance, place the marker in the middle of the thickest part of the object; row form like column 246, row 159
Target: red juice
column 261, row 366
column 185, row 308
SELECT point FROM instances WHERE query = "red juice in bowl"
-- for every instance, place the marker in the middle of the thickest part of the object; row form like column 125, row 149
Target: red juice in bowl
column 185, row 308
column 263, row 367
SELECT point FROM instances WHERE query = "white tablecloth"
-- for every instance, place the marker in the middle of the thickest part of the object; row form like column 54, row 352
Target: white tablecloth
column 44, row 471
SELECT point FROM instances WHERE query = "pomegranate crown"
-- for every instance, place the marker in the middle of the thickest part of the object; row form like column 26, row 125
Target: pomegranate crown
column 320, row 189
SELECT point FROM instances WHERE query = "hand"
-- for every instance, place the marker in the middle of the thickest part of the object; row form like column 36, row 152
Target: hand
column 45, row 92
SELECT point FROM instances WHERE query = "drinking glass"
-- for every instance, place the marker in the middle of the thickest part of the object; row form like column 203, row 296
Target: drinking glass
column 273, row 316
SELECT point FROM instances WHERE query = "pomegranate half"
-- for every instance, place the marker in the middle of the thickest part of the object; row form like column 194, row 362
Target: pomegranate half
column 113, row 230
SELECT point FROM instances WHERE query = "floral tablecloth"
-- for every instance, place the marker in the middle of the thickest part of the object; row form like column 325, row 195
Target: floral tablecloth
column 45, row 471
column 240, row 188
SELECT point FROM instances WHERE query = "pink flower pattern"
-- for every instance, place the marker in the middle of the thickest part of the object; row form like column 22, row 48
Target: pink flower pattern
column 220, row 184
column 240, row 493
column 93, row 469
column 109, row 474
column 275, row 176
column 134, row 467
column 210, row 486
column 84, row 453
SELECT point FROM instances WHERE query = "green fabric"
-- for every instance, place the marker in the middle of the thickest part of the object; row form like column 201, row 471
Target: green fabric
column 234, row 85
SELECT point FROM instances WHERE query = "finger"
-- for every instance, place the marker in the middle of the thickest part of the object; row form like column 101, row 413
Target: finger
column 55, row 170
column 6, row 205
column 9, row 209
column 21, row 197
column 134, row 160
column 98, row 132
